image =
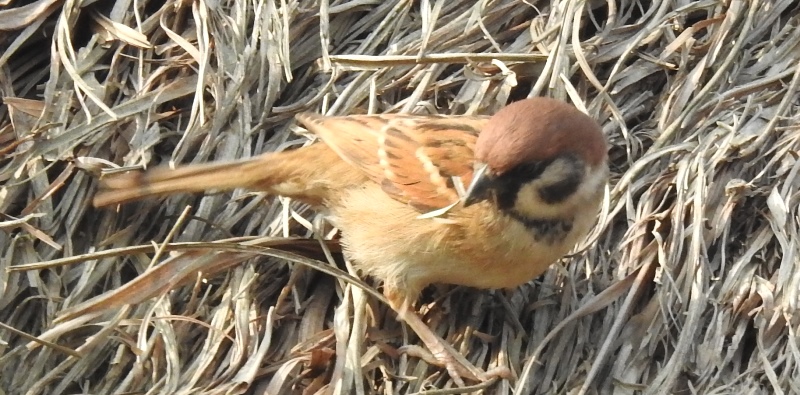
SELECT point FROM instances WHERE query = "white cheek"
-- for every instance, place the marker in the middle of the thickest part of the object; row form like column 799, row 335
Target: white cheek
column 530, row 204
column 592, row 187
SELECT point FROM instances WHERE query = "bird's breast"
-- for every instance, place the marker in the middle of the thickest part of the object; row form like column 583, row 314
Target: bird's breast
column 509, row 251
column 476, row 246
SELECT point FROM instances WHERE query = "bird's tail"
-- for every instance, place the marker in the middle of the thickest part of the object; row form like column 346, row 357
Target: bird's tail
column 313, row 174
column 135, row 185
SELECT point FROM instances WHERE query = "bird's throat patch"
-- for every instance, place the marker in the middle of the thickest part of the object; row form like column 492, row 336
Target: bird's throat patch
column 550, row 230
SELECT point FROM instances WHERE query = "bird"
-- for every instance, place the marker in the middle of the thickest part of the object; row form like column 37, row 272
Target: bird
column 489, row 202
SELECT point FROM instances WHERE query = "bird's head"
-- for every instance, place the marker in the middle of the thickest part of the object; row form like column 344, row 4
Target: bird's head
column 536, row 156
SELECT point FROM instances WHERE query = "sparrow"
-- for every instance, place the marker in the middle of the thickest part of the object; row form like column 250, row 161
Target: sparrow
column 484, row 202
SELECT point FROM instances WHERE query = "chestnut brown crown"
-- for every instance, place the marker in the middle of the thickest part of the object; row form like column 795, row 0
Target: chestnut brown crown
column 539, row 129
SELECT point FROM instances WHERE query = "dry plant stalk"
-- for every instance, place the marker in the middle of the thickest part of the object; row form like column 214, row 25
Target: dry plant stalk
column 690, row 282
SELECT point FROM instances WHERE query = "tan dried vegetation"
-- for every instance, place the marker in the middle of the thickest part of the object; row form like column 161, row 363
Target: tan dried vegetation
column 689, row 284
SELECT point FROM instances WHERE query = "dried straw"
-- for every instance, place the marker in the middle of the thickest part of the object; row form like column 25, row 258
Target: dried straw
column 690, row 282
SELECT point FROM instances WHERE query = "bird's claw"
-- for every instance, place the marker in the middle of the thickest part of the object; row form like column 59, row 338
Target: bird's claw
column 456, row 367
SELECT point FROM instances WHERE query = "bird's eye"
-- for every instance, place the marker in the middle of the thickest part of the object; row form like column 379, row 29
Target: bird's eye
column 507, row 185
column 527, row 171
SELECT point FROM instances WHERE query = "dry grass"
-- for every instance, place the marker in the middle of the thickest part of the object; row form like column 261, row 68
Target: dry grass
column 689, row 284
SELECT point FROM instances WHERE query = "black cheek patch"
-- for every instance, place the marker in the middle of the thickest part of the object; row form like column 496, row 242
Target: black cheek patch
column 559, row 191
column 506, row 188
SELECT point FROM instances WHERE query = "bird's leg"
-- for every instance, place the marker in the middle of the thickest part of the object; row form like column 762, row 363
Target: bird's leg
column 444, row 355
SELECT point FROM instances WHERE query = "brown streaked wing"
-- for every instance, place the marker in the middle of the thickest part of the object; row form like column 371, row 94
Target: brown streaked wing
column 413, row 157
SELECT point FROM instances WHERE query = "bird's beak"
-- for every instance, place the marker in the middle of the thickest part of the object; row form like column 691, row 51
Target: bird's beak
column 481, row 184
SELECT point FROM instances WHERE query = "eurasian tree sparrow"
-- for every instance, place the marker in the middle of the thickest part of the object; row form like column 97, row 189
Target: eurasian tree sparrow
column 535, row 174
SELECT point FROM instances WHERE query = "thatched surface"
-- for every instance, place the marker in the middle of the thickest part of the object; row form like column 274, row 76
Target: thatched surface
column 690, row 282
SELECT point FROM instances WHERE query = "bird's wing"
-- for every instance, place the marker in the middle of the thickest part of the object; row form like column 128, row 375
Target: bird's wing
column 416, row 159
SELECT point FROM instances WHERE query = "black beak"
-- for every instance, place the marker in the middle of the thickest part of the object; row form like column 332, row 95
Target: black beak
column 479, row 188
